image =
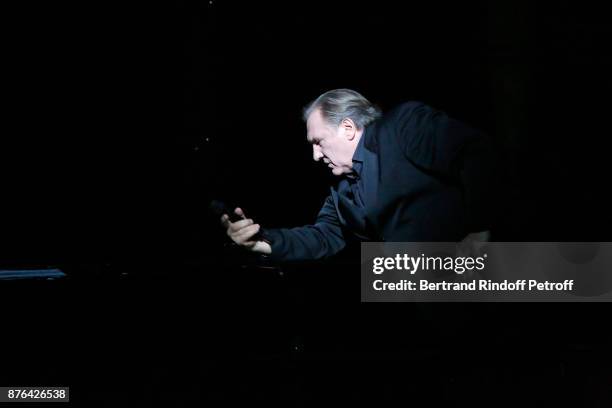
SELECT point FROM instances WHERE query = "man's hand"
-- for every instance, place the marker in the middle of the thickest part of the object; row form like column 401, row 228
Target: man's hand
column 473, row 244
column 242, row 231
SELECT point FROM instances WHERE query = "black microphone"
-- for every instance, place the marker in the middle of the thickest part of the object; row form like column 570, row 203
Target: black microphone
column 218, row 208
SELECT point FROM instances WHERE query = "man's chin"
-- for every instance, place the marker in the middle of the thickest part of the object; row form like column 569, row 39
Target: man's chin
column 337, row 171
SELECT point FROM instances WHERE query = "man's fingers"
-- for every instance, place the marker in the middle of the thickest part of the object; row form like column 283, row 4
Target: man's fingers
column 238, row 211
column 464, row 248
column 246, row 233
column 225, row 221
column 241, row 231
column 235, row 227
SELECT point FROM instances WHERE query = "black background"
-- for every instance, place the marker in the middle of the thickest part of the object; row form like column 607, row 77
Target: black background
column 123, row 121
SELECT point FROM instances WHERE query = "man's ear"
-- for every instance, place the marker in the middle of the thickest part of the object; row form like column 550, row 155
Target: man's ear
column 349, row 128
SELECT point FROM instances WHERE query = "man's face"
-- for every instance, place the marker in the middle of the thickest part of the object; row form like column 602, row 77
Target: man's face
column 334, row 145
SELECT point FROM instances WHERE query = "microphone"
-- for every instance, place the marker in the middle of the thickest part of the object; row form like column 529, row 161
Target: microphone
column 218, row 208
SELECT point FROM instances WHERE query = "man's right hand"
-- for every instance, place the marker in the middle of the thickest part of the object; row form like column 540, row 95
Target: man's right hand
column 242, row 231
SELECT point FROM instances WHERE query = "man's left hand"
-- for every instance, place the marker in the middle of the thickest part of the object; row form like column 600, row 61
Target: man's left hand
column 473, row 244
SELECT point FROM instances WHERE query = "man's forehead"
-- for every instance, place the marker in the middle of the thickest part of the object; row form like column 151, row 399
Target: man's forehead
column 311, row 125
column 313, row 133
column 316, row 125
column 308, row 123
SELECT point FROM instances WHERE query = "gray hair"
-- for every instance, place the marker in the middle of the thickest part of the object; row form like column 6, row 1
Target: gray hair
column 339, row 104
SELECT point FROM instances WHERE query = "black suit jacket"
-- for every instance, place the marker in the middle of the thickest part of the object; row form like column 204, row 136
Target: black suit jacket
column 427, row 177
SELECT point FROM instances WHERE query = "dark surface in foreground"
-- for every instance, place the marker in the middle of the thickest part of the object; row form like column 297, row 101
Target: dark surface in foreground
column 136, row 335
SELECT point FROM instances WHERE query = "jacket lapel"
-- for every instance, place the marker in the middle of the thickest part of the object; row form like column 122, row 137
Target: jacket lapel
column 371, row 183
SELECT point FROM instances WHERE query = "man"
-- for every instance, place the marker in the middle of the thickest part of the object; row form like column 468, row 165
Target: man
column 413, row 174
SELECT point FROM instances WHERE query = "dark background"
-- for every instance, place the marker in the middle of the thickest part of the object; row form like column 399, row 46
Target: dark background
column 124, row 121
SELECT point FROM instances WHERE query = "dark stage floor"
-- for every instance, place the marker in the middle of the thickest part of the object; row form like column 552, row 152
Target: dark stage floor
column 136, row 336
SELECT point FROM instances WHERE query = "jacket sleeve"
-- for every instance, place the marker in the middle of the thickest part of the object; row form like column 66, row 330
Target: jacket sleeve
column 455, row 152
column 310, row 242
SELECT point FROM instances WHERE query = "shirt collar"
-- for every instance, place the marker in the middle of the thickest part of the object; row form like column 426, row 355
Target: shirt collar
column 358, row 156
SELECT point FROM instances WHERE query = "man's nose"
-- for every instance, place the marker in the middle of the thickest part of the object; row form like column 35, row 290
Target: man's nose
column 316, row 154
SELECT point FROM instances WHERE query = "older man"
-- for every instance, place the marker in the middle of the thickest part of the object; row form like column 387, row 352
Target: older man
column 413, row 174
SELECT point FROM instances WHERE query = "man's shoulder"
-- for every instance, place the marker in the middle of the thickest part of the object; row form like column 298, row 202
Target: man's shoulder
column 405, row 109
column 413, row 115
column 408, row 105
column 403, row 113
